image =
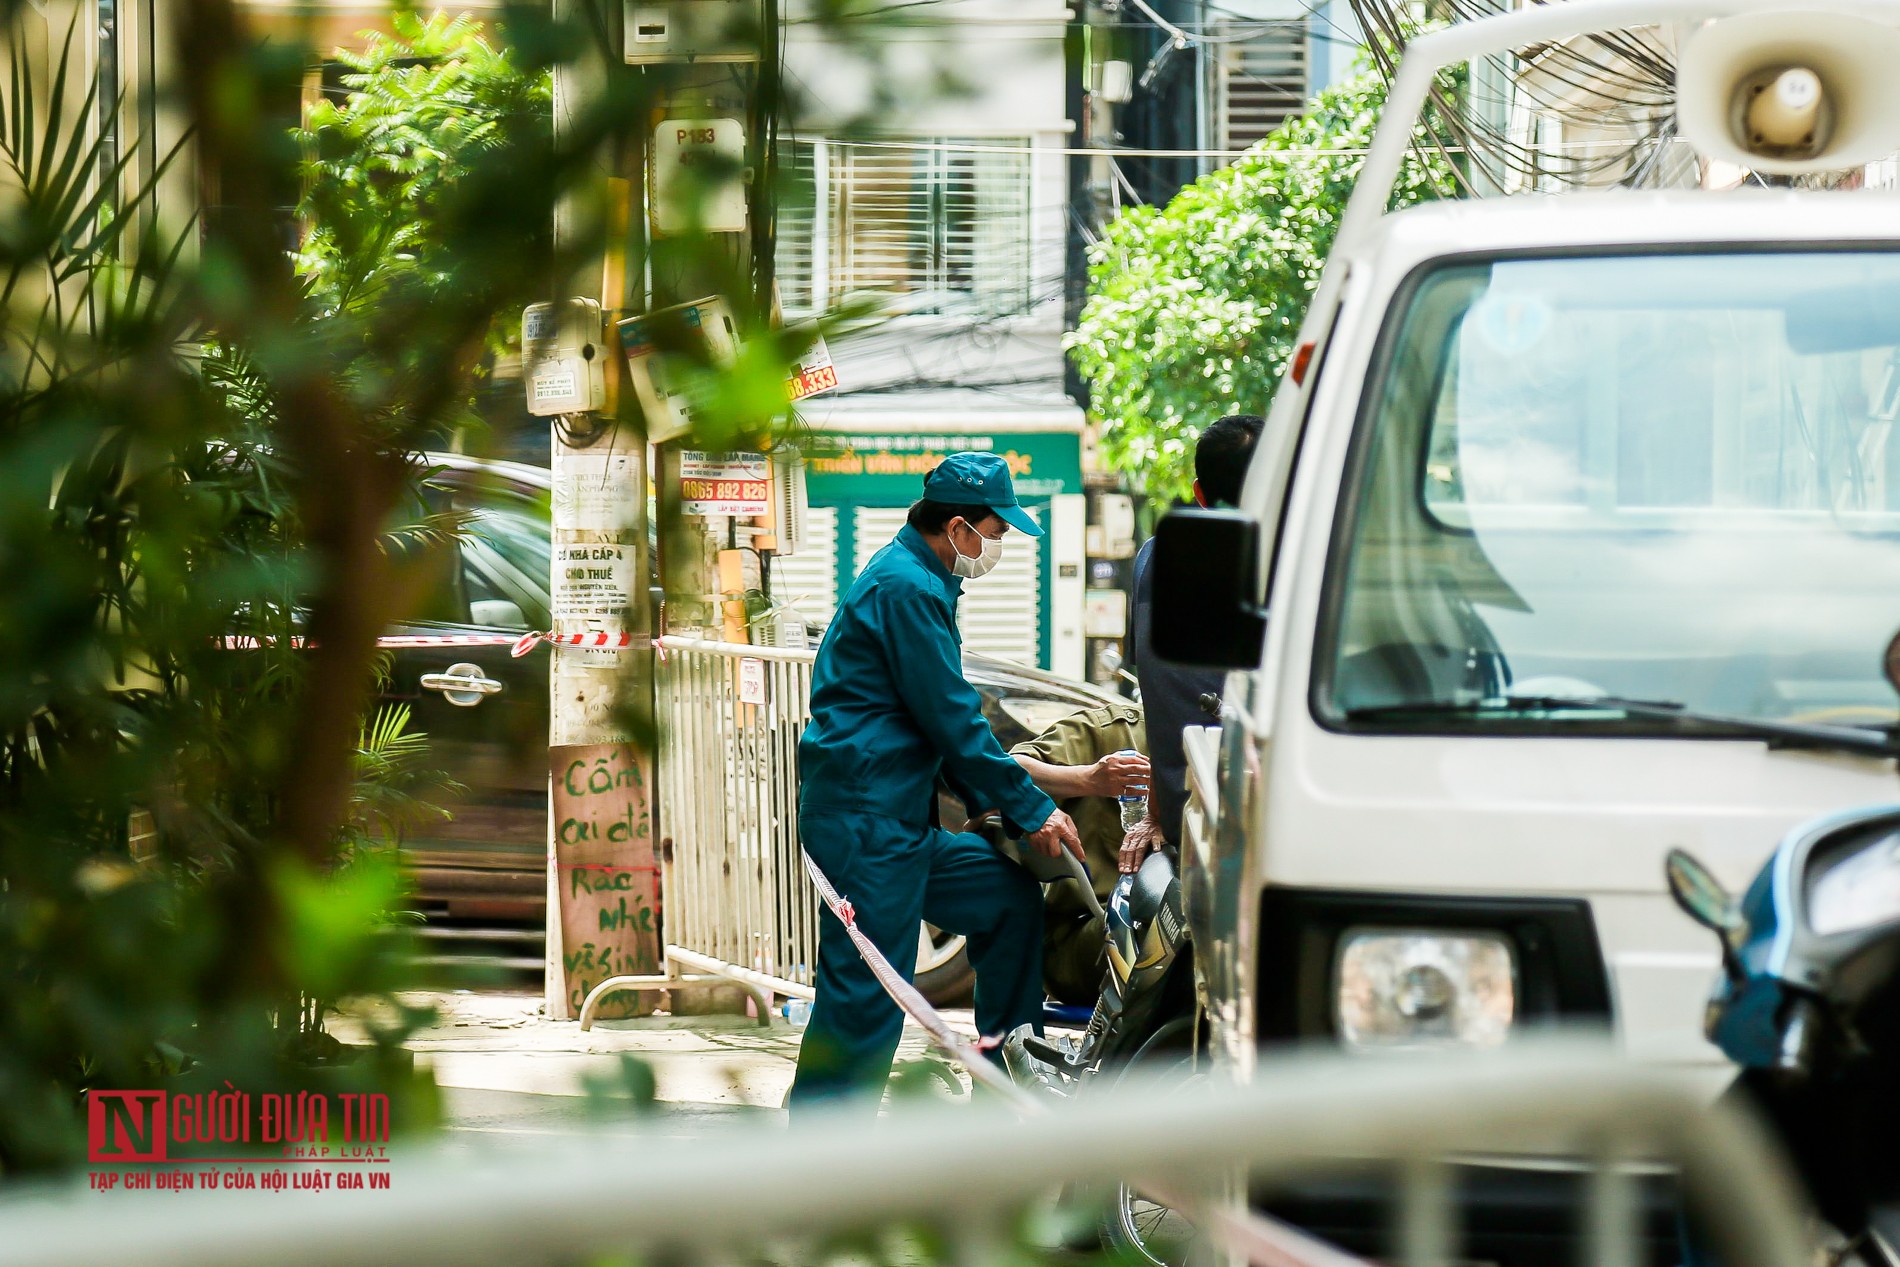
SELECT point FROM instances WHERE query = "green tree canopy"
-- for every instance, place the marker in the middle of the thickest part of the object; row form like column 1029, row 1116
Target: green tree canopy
column 1193, row 307
column 421, row 105
column 199, row 555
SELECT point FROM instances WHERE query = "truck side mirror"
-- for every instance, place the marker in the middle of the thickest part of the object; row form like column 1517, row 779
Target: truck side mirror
column 1204, row 565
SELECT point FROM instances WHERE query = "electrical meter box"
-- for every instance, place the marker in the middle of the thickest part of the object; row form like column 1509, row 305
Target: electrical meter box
column 698, row 176
column 563, row 359
column 692, row 31
column 666, row 405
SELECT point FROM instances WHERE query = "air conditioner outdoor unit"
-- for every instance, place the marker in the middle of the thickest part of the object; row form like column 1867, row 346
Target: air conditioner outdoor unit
column 784, row 628
column 790, row 504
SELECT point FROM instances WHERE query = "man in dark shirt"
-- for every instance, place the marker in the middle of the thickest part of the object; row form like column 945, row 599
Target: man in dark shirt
column 1171, row 693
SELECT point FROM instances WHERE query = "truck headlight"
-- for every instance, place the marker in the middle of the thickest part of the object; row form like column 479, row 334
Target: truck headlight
column 1398, row 988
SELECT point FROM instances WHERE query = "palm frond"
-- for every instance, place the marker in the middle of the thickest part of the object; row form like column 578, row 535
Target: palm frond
column 434, row 531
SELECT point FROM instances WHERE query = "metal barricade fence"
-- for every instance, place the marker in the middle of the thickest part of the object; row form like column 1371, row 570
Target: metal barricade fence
column 967, row 1172
column 736, row 903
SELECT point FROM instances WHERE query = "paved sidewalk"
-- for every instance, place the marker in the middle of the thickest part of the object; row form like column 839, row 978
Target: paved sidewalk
column 514, row 1082
column 510, row 1075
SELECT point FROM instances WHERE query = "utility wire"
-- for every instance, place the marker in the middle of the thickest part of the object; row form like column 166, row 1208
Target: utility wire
column 1111, row 152
column 1184, row 36
column 1625, row 85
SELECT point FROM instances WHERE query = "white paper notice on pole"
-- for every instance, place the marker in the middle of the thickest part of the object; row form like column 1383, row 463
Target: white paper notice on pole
column 813, row 374
column 1104, row 613
column 751, row 680
column 736, row 484
column 595, row 579
column 596, row 491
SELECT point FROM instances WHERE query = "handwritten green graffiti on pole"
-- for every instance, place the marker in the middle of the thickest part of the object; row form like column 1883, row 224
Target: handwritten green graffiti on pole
column 609, row 871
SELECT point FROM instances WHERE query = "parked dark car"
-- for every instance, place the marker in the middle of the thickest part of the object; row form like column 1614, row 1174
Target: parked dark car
column 489, row 863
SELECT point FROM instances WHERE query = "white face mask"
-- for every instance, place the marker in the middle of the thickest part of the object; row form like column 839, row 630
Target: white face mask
column 971, row 566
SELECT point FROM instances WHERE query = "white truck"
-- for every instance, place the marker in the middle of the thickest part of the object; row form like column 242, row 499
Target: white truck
column 1574, row 536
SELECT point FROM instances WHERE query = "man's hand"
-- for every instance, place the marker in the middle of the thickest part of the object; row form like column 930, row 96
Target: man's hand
column 1055, row 835
column 1138, row 844
column 1119, row 774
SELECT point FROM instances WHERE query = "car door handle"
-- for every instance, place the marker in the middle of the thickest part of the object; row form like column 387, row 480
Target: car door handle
column 463, row 685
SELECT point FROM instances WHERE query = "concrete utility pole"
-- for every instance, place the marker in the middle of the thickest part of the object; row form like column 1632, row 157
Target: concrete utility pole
column 698, row 556
column 674, row 235
column 597, row 886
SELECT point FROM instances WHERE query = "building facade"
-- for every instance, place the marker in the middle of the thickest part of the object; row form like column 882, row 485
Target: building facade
column 962, row 218
column 939, row 208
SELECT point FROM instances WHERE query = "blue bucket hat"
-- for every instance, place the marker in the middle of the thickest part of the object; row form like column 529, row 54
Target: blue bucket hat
column 979, row 479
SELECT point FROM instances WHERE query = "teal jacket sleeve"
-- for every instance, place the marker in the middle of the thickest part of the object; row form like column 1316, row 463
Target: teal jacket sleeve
column 928, row 668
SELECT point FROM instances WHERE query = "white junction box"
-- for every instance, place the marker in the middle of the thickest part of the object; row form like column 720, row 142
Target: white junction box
column 564, row 364
column 692, row 31
column 791, row 504
column 698, row 176
column 667, row 408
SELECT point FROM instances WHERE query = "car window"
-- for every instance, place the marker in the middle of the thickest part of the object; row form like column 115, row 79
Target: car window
column 444, row 594
column 512, row 530
column 1661, row 476
column 505, row 560
column 499, row 596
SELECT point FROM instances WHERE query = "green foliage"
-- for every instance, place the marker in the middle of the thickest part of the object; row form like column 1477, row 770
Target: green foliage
column 628, row 1088
column 205, row 440
column 380, row 182
column 198, row 558
column 397, row 787
column 132, row 540
column 422, row 105
column 1193, row 308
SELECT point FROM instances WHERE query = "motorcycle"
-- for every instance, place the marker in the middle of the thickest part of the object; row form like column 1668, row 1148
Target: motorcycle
column 1144, row 1018
column 1808, row 1005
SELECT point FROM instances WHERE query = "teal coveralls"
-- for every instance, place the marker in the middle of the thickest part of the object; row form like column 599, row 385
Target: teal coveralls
column 890, row 711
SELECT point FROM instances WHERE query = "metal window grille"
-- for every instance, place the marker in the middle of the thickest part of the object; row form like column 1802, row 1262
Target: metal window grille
column 933, row 230
column 799, row 264
column 1262, row 80
column 1000, row 614
column 808, row 580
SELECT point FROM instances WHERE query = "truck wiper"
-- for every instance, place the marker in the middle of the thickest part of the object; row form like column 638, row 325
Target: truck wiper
column 1778, row 734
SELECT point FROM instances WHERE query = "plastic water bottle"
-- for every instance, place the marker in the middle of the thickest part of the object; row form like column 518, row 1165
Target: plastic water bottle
column 1134, row 808
column 798, row 1011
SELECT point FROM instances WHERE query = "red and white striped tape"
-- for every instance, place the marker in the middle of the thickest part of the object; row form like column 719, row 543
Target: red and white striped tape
column 395, row 641
column 521, row 644
column 914, row 1005
column 1257, row 1239
column 390, row 642
column 591, row 638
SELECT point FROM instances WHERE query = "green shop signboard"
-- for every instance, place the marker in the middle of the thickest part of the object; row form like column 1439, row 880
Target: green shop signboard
column 888, row 470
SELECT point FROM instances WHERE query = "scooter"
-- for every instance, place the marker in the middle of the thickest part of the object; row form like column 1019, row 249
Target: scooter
column 1144, row 1018
column 1146, row 1002
column 1808, row 1006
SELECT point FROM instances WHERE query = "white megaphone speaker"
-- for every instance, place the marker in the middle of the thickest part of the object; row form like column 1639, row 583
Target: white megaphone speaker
column 1788, row 92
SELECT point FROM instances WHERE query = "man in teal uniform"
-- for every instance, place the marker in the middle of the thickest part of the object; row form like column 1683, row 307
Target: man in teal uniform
column 890, row 712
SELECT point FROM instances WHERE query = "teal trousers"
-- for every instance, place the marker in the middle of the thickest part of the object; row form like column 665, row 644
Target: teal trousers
column 897, row 875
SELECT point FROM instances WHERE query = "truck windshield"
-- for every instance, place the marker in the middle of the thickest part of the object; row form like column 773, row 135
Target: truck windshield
column 1655, row 477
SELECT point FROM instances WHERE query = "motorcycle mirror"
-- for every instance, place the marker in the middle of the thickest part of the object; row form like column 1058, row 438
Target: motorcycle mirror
column 1891, row 662
column 1700, row 895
